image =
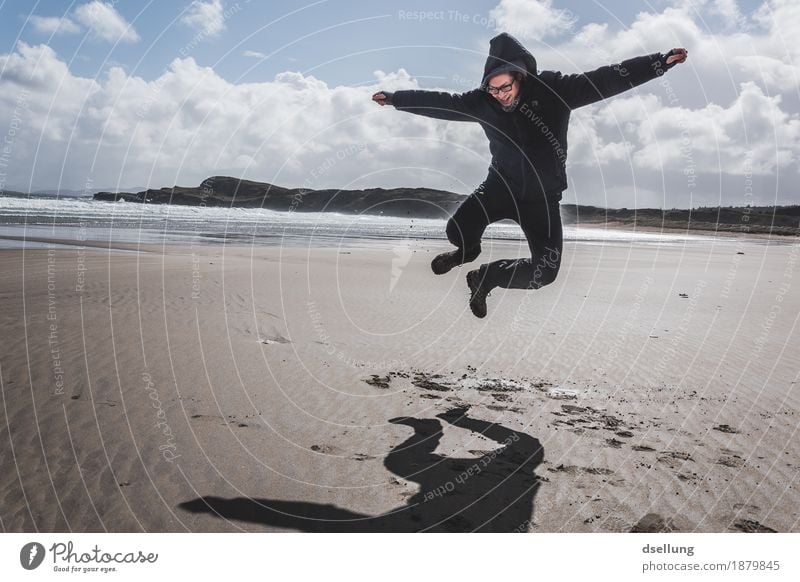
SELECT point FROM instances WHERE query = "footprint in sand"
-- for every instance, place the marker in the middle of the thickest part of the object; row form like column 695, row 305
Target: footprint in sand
column 751, row 526
column 326, row 449
column 273, row 339
column 562, row 394
column 587, row 418
column 726, row 428
column 674, row 459
column 575, row 470
column 378, row 381
column 498, row 385
column 426, row 382
column 687, row 477
column 362, row 457
column 654, row 523
column 264, row 333
column 499, row 408
column 231, row 420
column 733, row 461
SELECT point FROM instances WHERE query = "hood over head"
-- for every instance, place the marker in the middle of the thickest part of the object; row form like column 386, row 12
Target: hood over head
column 507, row 54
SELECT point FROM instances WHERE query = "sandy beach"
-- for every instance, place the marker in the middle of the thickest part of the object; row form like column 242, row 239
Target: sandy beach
column 236, row 388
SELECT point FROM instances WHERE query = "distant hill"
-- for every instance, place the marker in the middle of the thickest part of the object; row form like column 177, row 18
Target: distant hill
column 14, row 194
column 226, row 191
column 67, row 193
column 784, row 220
column 60, row 192
column 428, row 203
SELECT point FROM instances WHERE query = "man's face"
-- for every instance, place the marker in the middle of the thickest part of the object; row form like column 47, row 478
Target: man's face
column 503, row 87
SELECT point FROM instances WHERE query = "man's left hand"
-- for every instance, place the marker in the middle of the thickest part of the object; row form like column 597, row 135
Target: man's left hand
column 677, row 55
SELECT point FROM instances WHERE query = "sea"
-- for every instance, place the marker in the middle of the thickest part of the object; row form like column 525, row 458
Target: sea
column 25, row 221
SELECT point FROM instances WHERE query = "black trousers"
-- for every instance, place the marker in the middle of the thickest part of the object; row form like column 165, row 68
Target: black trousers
column 540, row 220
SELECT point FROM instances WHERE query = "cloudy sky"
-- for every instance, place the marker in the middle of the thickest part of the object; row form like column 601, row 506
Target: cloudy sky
column 141, row 93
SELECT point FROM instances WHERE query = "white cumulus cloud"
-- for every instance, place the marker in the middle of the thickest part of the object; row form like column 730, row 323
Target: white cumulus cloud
column 54, row 24
column 207, row 18
column 254, row 54
column 531, row 19
column 190, row 123
column 104, row 22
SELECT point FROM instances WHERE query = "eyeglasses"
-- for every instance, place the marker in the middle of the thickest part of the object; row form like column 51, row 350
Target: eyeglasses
column 501, row 89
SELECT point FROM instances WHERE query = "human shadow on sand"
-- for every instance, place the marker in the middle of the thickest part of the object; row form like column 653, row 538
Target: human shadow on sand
column 491, row 493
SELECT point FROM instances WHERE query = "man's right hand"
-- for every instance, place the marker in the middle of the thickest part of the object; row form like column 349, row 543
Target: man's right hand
column 382, row 98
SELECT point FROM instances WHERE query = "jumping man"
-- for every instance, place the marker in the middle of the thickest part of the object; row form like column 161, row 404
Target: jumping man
column 525, row 114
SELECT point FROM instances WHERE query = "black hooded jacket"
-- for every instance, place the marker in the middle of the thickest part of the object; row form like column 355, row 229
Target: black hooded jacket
column 529, row 143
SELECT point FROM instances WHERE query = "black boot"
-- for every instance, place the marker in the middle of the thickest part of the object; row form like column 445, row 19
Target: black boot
column 479, row 290
column 442, row 263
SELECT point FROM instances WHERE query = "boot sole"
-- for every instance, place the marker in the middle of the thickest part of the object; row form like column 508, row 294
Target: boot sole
column 440, row 269
column 474, row 284
column 442, row 263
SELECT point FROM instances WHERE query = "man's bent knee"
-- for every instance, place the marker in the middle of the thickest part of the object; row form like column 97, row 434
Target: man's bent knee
column 542, row 278
column 456, row 237
column 454, row 233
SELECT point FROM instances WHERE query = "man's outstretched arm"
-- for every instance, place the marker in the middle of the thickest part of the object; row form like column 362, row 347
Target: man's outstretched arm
column 582, row 89
column 436, row 104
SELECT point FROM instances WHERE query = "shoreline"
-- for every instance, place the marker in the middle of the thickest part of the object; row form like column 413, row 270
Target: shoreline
column 189, row 238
